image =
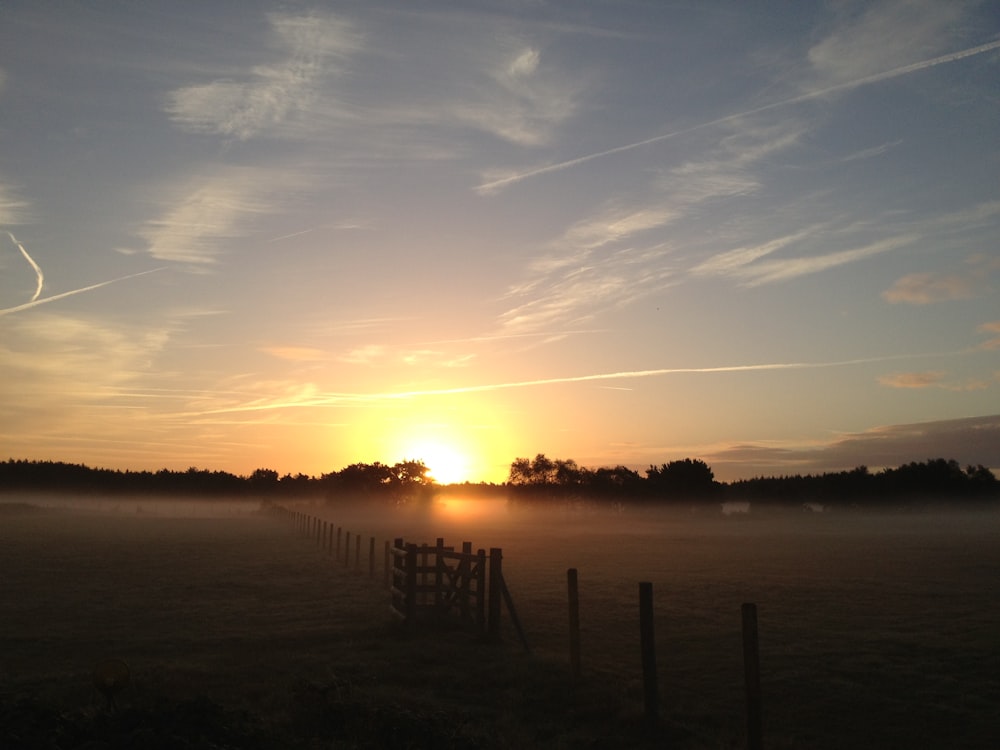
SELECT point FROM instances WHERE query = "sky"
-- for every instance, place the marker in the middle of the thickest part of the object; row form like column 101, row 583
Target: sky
column 302, row 235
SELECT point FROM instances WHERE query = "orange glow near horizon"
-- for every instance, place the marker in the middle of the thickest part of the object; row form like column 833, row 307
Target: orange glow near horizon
column 458, row 442
column 446, row 464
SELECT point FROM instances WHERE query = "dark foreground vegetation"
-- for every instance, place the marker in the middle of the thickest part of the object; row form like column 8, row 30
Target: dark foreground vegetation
column 540, row 479
column 241, row 631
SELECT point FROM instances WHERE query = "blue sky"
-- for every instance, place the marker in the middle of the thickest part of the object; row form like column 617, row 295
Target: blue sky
column 300, row 235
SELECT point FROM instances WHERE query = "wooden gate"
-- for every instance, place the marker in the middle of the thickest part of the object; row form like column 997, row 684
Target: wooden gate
column 434, row 582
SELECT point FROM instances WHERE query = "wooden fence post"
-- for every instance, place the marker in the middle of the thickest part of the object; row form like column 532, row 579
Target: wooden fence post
column 411, row 583
column 574, row 621
column 751, row 670
column 495, row 592
column 397, row 579
column 388, row 568
column 371, row 557
column 464, row 578
column 438, row 574
column 347, row 549
column 481, row 590
column 357, row 552
column 340, row 529
column 650, row 692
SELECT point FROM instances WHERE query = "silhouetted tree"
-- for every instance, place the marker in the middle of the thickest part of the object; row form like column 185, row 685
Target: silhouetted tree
column 264, row 480
column 690, row 478
column 617, row 481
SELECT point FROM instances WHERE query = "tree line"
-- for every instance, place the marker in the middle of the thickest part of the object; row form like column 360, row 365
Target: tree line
column 692, row 480
column 402, row 480
column 539, row 479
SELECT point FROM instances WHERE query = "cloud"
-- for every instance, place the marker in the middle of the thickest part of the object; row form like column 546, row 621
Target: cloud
column 616, row 256
column 870, row 153
column 734, row 262
column 975, row 440
column 913, row 379
column 13, row 210
column 493, row 183
column 55, row 369
column 928, row 287
column 310, row 47
column 771, row 271
column 380, row 354
column 514, row 95
column 992, row 329
column 925, row 288
column 206, row 212
column 888, row 34
column 616, row 225
column 932, row 379
column 296, row 353
column 363, row 355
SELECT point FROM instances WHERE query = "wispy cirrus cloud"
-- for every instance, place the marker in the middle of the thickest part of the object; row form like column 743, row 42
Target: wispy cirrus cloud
column 520, row 100
column 53, row 366
column 734, row 262
column 925, row 379
column 885, row 35
column 273, row 98
column 991, row 329
column 296, row 353
column 383, row 354
column 618, row 255
column 757, row 264
column 495, row 180
column 870, row 153
column 202, row 215
column 13, row 209
column 770, row 271
column 932, row 379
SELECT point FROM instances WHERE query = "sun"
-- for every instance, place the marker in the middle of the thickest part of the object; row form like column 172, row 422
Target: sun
column 445, row 464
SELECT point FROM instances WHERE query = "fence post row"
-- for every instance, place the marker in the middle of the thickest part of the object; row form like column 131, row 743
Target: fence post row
column 402, row 573
column 650, row 692
column 751, row 670
column 574, row 621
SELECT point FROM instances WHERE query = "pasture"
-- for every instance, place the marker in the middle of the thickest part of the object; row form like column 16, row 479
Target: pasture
column 876, row 630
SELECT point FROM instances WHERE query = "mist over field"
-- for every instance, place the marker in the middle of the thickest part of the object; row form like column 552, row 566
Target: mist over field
column 887, row 617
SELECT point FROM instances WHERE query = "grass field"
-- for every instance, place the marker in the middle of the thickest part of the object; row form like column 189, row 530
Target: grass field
column 876, row 631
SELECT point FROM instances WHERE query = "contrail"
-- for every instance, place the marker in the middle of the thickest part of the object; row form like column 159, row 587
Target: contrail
column 293, row 234
column 495, row 185
column 338, row 399
column 63, row 295
column 39, row 276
